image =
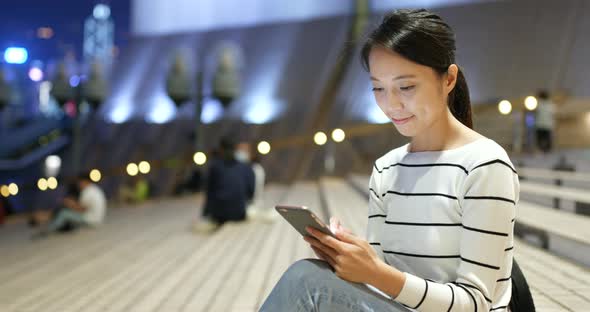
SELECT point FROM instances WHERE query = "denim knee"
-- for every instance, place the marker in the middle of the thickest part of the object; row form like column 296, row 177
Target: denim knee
column 298, row 286
column 308, row 269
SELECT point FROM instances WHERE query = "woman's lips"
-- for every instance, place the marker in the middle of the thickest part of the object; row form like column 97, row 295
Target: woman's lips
column 401, row 121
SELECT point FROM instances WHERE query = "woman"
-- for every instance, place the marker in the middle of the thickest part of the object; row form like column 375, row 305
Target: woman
column 441, row 210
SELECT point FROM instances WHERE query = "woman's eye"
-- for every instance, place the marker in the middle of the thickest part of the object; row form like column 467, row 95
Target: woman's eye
column 375, row 89
column 408, row 88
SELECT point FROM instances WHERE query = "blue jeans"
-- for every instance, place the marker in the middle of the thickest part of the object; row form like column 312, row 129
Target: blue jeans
column 311, row 285
column 64, row 216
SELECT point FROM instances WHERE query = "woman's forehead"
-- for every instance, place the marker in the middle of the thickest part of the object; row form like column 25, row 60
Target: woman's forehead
column 387, row 64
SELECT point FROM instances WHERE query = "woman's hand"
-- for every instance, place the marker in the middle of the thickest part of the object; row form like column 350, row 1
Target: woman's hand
column 352, row 258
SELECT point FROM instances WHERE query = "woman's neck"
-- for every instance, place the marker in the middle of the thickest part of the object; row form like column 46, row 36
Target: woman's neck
column 444, row 134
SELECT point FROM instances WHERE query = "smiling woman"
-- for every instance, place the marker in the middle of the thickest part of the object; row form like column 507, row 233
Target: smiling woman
column 442, row 208
column 414, row 74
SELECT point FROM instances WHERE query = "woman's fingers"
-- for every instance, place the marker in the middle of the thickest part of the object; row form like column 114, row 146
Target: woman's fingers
column 326, row 239
column 336, row 225
column 327, row 250
column 345, row 230
column 323, row 256
column 320, row 254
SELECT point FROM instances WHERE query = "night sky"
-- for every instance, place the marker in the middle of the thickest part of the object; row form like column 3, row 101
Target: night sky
column 19, row 20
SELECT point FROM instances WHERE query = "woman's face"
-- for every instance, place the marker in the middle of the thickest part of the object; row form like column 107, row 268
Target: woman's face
column 413, row 96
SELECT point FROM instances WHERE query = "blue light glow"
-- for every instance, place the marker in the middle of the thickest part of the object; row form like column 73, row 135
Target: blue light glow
column 163, row 110
column 16, row 55
column 120, row 113
column 259, row 103
column 74, row 81
column 212, row 111
column 35, row 74
column 263, row 109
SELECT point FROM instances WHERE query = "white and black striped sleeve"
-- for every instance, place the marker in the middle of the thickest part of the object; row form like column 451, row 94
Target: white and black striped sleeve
column 376, row 213
column 488, row 201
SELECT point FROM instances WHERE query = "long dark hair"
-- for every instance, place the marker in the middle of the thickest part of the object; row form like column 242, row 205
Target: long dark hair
column 424, row 38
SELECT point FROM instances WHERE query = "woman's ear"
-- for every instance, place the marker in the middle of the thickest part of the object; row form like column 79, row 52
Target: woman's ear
column 450, row 78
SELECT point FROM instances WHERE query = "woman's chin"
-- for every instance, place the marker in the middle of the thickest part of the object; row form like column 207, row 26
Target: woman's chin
column 405, row 131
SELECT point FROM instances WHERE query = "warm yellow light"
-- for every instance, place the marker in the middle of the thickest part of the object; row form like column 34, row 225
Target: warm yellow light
column 4, row 191
column 132, row 169
column 263, row 147
column 200, row 158
column 52, row 183
column 144, row 167
column 320, row 138
column 42, row 184
column 505, row 107
column 95, row 175
column 530, row 103
column 13, row 189
column 338, row 135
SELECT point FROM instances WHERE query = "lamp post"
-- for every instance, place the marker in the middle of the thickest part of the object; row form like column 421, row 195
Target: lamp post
column 63, row 93
column 225, row 88
column 5, row 92
column 93, row 91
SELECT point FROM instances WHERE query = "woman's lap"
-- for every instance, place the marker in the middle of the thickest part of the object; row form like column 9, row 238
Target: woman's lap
column 311, row 285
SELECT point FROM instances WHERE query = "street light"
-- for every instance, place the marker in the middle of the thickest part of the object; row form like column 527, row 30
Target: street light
column 225, row 88
column 263, row 147
column 226, row 81
column 177, row 83
column 338, row 135
column 95, row 175
column 61, row 89
column 52, row 183
column 132, row 169
column 144, row 167
column 4, row 191
column 42, row 184
column 94, row 89
column 13, row 189
column 530, row 103
column 505, row 107
column 320, row 138
column 200, row 158
column 71, row 89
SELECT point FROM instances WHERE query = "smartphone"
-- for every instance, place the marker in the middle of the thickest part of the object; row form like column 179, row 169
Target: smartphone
column 300, row 217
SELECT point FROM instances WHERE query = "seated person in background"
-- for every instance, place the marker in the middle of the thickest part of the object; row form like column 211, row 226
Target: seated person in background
column 135, row 193
column 256, row 207
column 88, row 209
column 230, row 185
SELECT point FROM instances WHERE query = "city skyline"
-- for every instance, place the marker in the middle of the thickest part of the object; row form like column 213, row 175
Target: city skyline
column 20, row 24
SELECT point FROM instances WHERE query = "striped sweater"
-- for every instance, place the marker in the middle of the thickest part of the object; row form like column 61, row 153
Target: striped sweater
column 446, row 220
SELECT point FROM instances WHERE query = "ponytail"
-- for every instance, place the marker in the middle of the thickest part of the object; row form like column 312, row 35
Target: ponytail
column 459, row 102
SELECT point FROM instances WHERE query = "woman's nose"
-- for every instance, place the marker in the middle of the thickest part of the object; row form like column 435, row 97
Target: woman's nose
column 394, row 102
